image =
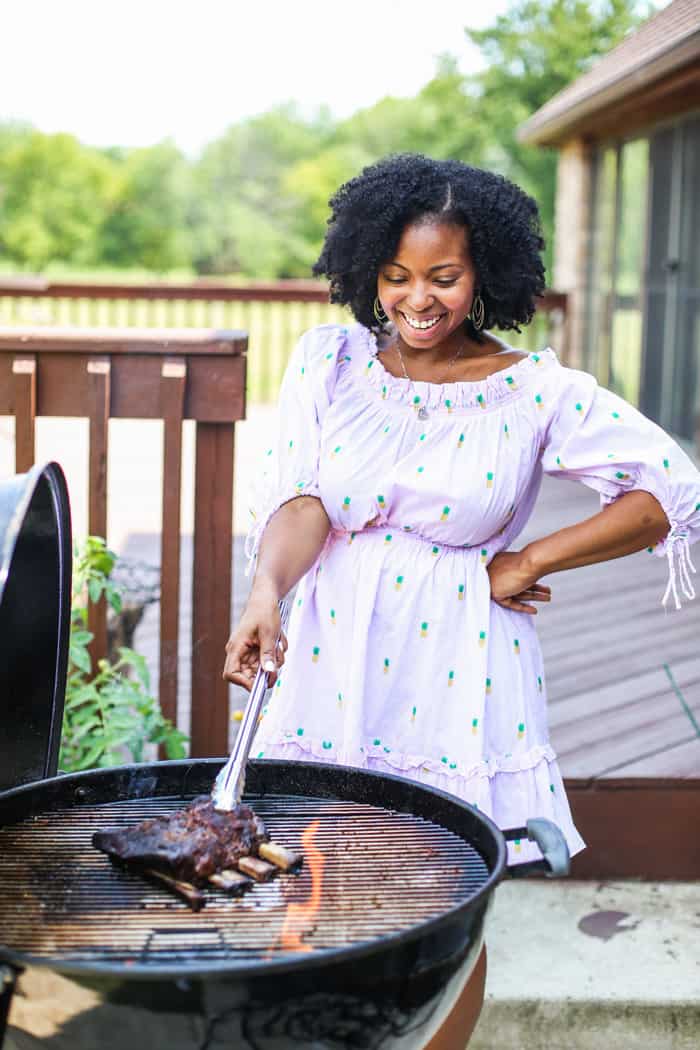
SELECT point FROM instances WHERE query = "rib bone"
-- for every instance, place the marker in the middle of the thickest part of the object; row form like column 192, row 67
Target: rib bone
column 260, row 870
column 186, row 890
column 232, row 882
column 280, row 856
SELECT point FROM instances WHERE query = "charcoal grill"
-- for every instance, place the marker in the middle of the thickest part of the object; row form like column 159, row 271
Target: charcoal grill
column 407, row 878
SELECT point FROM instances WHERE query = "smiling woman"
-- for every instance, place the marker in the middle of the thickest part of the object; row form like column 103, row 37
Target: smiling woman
column 411, row 450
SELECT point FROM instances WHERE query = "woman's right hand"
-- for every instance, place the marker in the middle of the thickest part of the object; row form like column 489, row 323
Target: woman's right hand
column 253, row 642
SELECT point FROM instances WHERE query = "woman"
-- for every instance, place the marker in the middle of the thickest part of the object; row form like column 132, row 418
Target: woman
column 411, row 449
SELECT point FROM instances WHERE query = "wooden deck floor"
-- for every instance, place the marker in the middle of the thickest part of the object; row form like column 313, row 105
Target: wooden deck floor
column 623, row 674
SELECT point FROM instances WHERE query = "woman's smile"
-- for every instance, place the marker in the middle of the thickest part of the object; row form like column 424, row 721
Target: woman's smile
column 422, row 324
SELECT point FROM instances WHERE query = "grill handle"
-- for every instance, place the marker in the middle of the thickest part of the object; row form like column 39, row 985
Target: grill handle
column 550, row 839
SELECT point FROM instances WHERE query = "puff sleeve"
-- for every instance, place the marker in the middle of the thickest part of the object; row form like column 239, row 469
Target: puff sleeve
column 289, row 465
column 593, row 436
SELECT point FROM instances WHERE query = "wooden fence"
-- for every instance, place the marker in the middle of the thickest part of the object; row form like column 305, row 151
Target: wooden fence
column 274, row 314
column 171, row 375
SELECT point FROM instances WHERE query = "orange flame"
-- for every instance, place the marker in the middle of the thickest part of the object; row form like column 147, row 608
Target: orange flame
column 299, row 919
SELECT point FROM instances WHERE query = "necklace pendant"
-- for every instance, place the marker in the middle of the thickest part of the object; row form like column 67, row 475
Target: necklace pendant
column 422, row 412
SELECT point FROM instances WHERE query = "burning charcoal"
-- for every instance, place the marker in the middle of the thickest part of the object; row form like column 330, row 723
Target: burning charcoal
column 232, row 882
column 260, row 870
column 189, row 894
column 280, row 857
column 191, row 844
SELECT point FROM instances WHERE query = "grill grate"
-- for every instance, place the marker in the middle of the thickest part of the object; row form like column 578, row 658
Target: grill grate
column 384, row 873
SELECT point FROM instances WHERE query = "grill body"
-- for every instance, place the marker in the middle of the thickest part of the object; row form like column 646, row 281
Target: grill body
column 380, row 966
column 35, row 587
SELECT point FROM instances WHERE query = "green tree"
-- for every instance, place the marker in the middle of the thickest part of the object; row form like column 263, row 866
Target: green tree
column 441, row 120
column 533, row 51
column 239, row 217
column 310, row 184
column 54, row 193
column 146, row 224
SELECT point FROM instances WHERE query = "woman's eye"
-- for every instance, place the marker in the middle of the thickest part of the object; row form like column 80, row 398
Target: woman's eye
column 445, row 283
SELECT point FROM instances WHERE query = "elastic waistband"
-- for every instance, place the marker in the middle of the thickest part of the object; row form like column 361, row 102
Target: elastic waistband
column 392, row 534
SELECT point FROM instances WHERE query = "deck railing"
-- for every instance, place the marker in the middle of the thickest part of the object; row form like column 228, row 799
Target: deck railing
column 106, row 351
column 273, row 313
column 171, row 375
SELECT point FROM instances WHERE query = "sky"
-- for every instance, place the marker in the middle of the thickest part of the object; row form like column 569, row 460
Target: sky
column 133, row 73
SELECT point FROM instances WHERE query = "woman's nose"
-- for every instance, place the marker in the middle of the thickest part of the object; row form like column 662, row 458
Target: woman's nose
column 419, row 298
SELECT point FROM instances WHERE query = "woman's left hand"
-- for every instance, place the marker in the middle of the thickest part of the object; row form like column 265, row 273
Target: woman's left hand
column 513, row 584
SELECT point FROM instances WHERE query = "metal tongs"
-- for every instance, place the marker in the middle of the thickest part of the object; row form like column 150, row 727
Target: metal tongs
column 229, row 784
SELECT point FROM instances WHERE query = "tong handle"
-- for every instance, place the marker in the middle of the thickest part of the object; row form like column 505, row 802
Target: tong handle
column 229, row 784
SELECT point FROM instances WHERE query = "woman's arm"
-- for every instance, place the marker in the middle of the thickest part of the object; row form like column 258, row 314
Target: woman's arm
column 634, row 521
column 291, row 543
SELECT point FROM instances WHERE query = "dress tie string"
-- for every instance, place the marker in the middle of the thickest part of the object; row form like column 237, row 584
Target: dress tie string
column 677, row 545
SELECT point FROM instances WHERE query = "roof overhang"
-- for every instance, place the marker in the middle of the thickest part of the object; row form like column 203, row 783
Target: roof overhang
column 561, row 117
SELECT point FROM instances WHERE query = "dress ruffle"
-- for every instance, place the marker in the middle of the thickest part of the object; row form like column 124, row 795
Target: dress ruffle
column 474, row 396
column 509, row 792
column 411, row 764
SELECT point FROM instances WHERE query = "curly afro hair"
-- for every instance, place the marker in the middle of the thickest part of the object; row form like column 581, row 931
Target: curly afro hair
column 370, row 212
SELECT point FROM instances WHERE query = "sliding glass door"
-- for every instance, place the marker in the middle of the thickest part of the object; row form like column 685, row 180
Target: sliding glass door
column 672, row 334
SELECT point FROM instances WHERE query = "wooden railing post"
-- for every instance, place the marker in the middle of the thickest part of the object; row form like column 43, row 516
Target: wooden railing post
column 99, row 388
column 211, row 586
column 172, row 403
column 24, row 391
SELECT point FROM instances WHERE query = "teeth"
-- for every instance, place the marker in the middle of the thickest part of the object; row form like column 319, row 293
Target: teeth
column 422, row 324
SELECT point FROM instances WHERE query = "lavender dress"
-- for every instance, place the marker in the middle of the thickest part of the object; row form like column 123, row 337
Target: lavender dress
column 398, row 659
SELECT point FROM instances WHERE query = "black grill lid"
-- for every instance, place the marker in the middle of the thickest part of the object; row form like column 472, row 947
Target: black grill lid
column 35, row 595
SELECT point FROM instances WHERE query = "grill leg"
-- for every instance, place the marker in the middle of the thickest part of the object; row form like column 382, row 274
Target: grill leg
column 8, row 976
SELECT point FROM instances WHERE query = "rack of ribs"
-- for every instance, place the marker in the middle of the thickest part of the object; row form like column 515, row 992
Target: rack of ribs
column 197, row 846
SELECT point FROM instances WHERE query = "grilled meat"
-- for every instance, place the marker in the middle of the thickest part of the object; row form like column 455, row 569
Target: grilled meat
column 189, row 845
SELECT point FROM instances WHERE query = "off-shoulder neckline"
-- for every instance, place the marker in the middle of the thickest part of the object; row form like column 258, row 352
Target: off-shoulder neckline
column 504, row 383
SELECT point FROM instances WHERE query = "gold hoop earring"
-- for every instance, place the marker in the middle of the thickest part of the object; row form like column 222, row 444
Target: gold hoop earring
column 478, row 312
column 382, row 318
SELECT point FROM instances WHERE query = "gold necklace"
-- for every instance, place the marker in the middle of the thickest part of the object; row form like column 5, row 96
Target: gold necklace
column 422, row 411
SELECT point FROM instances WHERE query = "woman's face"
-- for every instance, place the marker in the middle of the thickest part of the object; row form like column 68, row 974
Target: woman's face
column 428, row 287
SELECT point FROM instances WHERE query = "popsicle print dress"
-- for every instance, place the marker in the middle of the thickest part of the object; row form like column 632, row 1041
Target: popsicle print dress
column 398, row 659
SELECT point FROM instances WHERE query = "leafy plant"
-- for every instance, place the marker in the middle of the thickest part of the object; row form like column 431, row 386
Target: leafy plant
column 109, row 715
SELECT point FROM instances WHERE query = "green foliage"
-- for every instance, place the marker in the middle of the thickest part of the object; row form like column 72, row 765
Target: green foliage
column 533, row 51
column 240, row 220
column 255, row 202
column 53, row 194
column 147, row 219
column 109, row 716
